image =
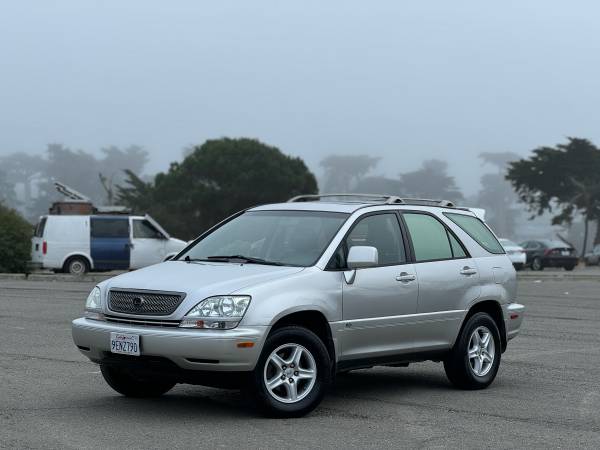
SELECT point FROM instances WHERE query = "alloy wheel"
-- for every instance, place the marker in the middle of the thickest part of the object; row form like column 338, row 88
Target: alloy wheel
column 481, row 351
column 290, row 373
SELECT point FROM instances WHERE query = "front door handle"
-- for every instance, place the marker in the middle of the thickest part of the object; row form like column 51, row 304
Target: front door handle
column 405, row 277
column 468, row 271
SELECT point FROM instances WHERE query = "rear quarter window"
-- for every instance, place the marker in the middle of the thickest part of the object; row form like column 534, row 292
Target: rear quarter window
column 475, row 228
column 39, row 229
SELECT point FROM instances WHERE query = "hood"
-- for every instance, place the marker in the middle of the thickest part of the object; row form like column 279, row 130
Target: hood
column 199, row 280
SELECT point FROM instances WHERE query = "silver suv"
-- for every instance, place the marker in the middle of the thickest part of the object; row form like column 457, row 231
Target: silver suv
column 280, row 298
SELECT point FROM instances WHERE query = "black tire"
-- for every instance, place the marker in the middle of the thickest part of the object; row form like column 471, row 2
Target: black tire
column 537, row 264
column 76, row 265
column 130, row 384
column 569, row 268
column 291, row 335
column 458, row 365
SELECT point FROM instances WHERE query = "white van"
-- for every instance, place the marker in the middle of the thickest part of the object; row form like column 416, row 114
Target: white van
column 78, row 243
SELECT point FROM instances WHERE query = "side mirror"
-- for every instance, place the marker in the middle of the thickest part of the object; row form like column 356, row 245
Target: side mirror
column 362, row 256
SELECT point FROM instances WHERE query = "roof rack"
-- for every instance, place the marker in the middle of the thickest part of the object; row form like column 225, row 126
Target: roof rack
column 373, row 198
column 355, row 198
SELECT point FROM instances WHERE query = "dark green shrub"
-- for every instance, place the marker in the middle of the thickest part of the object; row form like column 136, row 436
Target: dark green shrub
column 15, row 241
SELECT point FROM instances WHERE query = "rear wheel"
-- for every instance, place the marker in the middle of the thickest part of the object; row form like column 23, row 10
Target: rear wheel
column 130, row 384
column 474, row 361
column 570, row 267
column 292, row 373
column 537, row 264
column 77, row 265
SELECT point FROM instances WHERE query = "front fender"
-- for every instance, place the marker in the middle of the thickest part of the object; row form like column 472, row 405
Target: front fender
column 308, row 290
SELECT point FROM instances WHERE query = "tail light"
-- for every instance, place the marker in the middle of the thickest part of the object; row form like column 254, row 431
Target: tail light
column 44, row 248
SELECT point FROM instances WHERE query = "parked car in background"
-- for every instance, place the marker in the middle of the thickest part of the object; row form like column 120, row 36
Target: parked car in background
column 515, row 253
column 547, row 253
column 279, row 298
column 77, row 244
column 593, row 258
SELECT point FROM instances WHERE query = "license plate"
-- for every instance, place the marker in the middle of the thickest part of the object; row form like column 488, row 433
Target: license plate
column 566, row 252
column 125, row 344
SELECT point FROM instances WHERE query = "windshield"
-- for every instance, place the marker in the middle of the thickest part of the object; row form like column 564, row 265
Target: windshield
column 291, row 238
column 507, row 243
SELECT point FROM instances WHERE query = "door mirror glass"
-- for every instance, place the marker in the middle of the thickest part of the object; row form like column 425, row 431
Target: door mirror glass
column 361, row 256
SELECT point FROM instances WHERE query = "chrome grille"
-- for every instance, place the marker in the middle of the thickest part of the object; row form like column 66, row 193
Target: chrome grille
column 150, row 303
column 143, row 322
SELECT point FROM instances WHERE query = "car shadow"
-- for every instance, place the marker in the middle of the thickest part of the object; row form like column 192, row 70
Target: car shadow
column 186, row 401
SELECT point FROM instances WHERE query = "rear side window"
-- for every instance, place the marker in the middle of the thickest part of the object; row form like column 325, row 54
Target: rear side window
column 429, row 237
column 109, row 228
column 457, row 249
column 478, row 231
column 39, row 229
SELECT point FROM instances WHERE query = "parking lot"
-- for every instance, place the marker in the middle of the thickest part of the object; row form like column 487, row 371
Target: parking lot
column 547, row 393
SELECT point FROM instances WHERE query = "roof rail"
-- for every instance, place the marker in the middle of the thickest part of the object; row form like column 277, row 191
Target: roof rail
column 429, row 202
column 358, row 198
column 374, row 198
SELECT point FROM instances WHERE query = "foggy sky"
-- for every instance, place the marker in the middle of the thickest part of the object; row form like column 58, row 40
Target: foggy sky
column 401, row 80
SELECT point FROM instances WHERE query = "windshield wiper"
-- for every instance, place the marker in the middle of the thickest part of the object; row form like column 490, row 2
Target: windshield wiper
column 248, row 259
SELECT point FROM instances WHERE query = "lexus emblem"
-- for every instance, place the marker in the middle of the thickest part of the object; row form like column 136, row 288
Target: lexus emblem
column 138, row 301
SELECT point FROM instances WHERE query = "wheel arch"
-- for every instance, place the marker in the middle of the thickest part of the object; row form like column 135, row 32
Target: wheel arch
column 494, row 309
column 313, row 320
column 77, row 254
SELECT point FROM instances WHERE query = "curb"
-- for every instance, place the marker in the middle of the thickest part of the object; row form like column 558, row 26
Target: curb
column 559, row 276
column 55, row 277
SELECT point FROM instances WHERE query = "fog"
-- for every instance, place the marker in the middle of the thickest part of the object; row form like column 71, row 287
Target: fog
column 404, row 82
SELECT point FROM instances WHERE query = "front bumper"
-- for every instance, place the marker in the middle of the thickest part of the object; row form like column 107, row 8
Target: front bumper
column 513, row 318
column 190, row 349
column 517, row 258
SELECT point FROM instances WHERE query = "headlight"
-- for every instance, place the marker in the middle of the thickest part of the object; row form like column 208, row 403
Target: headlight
column 93, row 305
column 222, row 312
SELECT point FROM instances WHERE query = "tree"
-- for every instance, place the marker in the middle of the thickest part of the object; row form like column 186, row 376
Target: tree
column 378, row 185
column 431, row 181
column 565, row 177
column 497, row 196
column 7, row 192
column 344, row 172
column 215, row 180
column 20, row 168
column 75, row 168
column 15, row 241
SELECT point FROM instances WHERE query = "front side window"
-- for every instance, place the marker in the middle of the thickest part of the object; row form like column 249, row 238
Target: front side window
column 142, row 229
column 294, row 238
column 478, row 231
column 429, row 237
column 381, row 231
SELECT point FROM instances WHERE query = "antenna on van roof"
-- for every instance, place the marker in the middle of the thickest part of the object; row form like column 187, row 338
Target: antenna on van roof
column 69, row 192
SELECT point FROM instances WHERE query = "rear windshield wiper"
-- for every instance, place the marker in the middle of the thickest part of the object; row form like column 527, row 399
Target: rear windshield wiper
column 248, row 259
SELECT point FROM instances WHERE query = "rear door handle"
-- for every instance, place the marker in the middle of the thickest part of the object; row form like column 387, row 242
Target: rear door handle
column 468, row 271
column 406, row 277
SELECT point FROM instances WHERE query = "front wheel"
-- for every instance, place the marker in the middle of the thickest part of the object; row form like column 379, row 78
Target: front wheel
column 537, row 264
column 130, row 384
column 569, row 268
column 475, row 358
column 292, row 373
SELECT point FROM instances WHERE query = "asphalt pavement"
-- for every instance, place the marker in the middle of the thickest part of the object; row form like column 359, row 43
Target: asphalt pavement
column 546, row 395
